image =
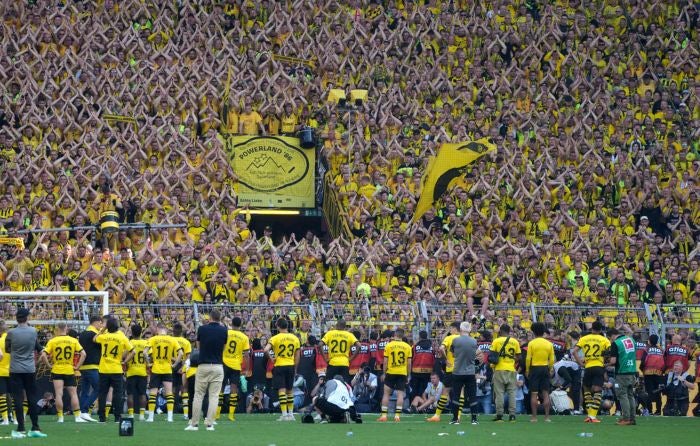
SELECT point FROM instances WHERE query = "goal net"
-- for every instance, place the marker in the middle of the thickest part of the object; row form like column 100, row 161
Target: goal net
column 47, row 308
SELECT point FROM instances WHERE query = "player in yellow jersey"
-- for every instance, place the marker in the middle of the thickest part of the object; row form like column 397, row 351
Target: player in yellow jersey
column 59, row 354
column 4, row 376
column 285, row 347
column 339, row 343
column 446, row 352
column 163, row 352
column 539, row 363
column 116, row 352
column 594, row 346
column 137, row 375
column 179, row 378
column 397, row 364
column 235, row 354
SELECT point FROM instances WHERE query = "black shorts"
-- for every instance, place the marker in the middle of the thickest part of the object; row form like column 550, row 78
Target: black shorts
column 232, row 376
column 466, row 383
column 395, row 382
column 593, row 376
column 177, row 380
column 68, row 380
column 157, row 380
column 341, row 370
column 4, row 384
column 334, row 413
column 538, row 379
column 283, row 377
column 136, row 385
column 447, row 380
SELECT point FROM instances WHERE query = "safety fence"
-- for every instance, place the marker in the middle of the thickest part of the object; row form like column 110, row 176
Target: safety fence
column 365, row 315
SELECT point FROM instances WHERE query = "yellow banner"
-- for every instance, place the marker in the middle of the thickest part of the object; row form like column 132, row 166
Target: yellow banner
column 336, row 218
column 273, row 172
column 294, row 60
column 14, row 241
column 448, row 164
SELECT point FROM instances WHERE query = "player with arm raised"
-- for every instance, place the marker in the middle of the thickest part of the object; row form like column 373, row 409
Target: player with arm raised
column 163, row 352
column 446, row 352
column 285, row 347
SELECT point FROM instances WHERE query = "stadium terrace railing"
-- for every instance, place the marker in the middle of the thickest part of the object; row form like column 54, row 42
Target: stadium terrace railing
column 49, row 308
column 669, row 318
column 370, row 317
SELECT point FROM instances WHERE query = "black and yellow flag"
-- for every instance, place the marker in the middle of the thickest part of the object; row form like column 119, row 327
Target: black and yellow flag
column 448, row 164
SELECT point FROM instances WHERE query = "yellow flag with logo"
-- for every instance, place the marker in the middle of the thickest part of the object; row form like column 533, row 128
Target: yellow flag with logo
column 448, row 164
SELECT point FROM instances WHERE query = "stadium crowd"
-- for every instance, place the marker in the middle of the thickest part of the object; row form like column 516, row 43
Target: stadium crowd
column 591, row 197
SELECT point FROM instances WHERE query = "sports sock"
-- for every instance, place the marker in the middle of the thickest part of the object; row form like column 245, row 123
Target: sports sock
column 108, row 408
column 597, row 398
column 290, row 403
column 185, row 403
column 59, row 413
column 460, row 407
column 130, row 411
column 233, row 404
column 587, row 401
column 282, row 396
column 152, row 404
column 221, row 403
column 385, row 411
column 25, row 407
column 76, row 413
column 169, row 402
column 442, row 403
column 142, row 412
column 3, row 407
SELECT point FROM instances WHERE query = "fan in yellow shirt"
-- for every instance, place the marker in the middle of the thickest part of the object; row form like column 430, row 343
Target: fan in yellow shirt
column 59, row 353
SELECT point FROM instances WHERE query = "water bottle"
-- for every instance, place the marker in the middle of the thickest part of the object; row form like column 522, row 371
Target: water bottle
column 460, row 433
column 349, row 434
column 585, row 434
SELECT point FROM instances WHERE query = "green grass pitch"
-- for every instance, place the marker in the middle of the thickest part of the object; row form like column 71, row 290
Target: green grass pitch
column 263, row 430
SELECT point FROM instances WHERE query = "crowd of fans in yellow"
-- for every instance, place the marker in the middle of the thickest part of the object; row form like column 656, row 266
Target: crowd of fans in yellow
column 590, row 198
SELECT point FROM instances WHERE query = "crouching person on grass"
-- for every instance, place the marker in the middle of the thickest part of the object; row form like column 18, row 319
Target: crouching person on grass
column 334, row 402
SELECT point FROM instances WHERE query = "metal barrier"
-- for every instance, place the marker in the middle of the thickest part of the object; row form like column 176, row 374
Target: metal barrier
column 672, row 318
column 371, row 317
column 48, row 312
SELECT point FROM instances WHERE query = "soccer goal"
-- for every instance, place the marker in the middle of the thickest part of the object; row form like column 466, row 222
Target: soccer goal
column 50, row 307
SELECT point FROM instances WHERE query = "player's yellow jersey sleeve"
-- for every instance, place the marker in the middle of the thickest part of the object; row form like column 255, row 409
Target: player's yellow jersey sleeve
column 397, row 354
column 114, row 345
column 284, row 345
column 449, row 356
column 62, row 350
column 236, row 343
column 594, row 347
column 5, row 361
column 185, row 345
column 339, row 343
column 162, row 350
column 137, row 364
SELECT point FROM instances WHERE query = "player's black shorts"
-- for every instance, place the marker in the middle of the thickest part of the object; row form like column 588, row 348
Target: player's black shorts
column 4, row 384
column 68, row 380
column 538, row 379
column 283, row 377
column 447, row 380
column 466, row 382
column 136, row 385
column 593, row 376
column 341, row 370
column 177, row 376
column 232, row 376
column 395, row 382
column 157, row 380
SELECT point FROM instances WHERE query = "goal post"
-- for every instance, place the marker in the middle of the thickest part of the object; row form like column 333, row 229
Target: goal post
column 51, row 307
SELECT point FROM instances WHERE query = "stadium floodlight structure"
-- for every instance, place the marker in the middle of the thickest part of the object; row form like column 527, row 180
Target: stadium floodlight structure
column 51, row 307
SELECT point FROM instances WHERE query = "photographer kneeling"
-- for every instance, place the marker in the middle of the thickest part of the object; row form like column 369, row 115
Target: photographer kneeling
column 678, row 386
column 334, row 401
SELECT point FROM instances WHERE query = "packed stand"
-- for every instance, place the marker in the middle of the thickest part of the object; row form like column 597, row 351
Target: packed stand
column 591, row 197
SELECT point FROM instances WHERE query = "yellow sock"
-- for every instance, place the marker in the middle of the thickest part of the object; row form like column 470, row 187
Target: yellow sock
column 25, row 407
column 108, row 409
column 442, row 403
column 152, row 403
column 283, row 402
column 59, row 413
column 76, row 413
column 233, row 404
column 185, row 403
column 170, row 402
column 4, row 411
column 290, row 403
column 221, row 403
column 130, row 411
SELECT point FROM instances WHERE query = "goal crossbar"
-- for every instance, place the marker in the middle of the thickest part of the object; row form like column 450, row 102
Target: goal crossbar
column 103, row 296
